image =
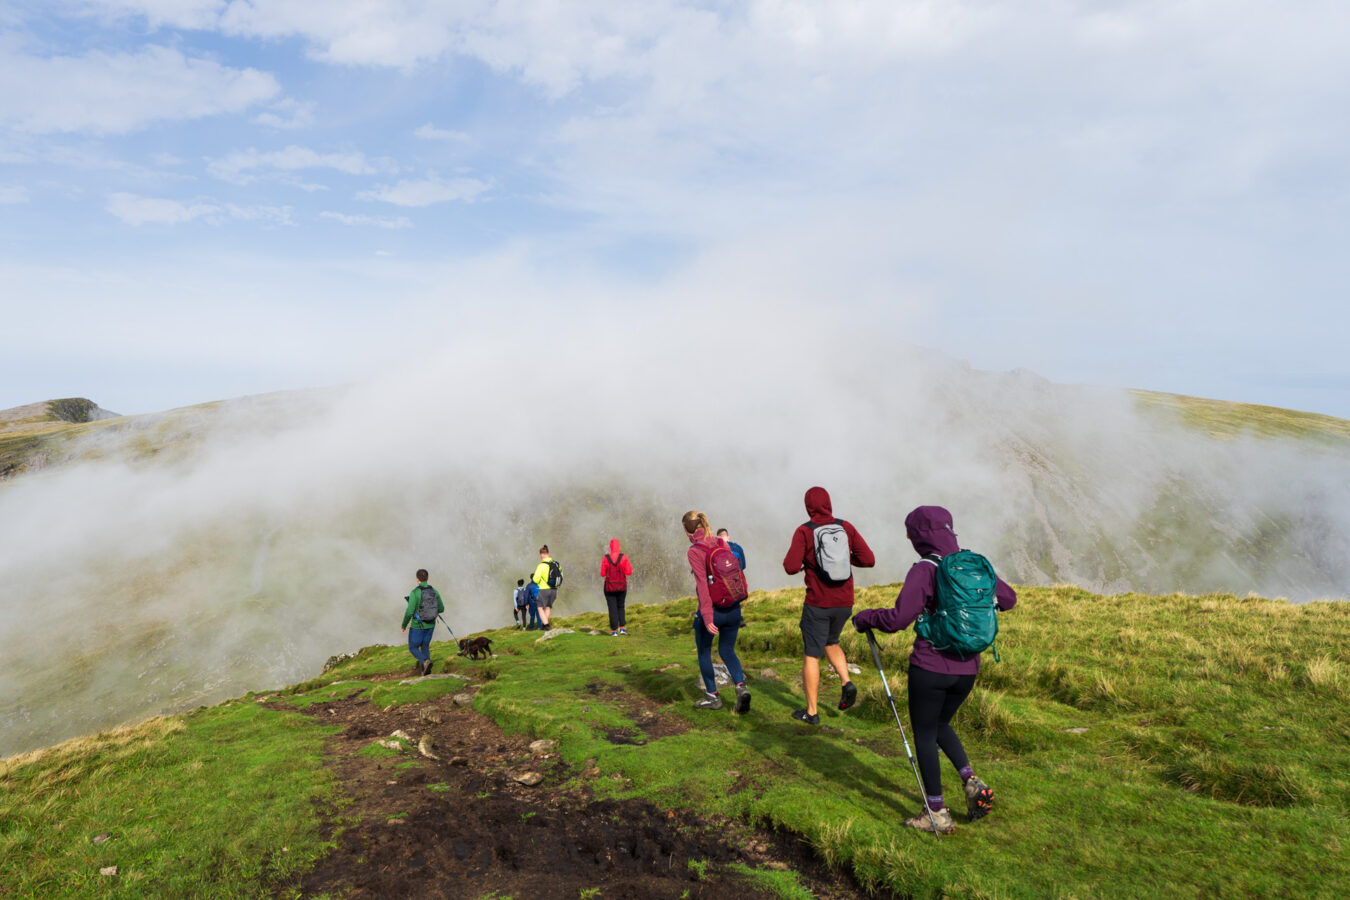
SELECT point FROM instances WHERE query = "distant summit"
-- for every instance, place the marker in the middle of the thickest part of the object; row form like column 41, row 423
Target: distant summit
column 40, row 416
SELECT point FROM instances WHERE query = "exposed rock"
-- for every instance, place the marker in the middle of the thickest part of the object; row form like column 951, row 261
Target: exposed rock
column 335, row 661
column 854, row 670
column 391, row 745
column 108, row 870
column 395, row 822
column 668, row 667
column 720, row 674
column 1075, row 731
column 464, row 699
column 459, row 760
column 543, row 747
column 403, row 735
column 770, row 674
column 103, row 838
column 426, row 747
column 429, row 717
column 529, row 779
column 552, row 633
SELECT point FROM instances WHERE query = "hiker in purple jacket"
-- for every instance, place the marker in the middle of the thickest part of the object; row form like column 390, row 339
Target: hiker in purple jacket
column 939, row 682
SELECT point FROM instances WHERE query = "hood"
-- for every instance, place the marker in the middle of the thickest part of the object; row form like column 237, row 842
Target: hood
column 818, row 505
column 930, row 531
column 613, row 548
column 698, row 536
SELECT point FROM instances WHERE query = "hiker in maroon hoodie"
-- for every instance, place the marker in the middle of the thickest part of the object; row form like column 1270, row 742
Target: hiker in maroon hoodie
column 616, row 569
column 939, row 681
column 829, row 594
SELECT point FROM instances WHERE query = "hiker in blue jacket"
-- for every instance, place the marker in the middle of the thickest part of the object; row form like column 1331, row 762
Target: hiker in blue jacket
column 724, row 535
column 424, row 605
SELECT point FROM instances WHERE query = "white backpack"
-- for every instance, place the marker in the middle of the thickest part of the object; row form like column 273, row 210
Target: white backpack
column 833, row 557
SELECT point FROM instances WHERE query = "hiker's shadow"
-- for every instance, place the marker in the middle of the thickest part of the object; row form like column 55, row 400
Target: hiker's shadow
column 832, row 754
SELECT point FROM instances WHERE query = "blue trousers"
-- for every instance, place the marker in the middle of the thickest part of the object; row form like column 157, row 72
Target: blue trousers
column 728, row 622
column 419, row 643
column 535, row 621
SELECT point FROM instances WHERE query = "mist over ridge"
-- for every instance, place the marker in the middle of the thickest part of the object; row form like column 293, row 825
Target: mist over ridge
column 255, row 538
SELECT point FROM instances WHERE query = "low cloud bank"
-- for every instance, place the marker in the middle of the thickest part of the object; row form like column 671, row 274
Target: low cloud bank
column 265, row 535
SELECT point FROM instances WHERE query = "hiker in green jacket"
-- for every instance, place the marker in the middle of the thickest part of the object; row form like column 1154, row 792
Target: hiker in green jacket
column 424, row 605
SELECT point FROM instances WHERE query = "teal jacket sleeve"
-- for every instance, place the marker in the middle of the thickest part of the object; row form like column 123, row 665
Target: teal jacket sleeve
column 440, row 604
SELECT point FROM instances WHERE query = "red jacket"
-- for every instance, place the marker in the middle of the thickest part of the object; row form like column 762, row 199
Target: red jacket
column 802, row 554
column 624, row 565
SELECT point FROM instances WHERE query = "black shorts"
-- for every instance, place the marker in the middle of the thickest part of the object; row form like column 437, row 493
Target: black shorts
column 821, row 626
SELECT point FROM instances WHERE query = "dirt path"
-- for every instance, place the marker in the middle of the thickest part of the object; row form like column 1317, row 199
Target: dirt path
column 464, row 827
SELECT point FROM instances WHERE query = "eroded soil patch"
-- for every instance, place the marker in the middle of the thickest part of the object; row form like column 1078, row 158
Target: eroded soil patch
column 464, row 827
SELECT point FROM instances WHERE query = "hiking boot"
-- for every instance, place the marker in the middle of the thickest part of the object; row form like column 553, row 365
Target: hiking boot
column 849, row 696
column 922, row 822
column 742, row 698
column 709, row 701
column 801, row 715
column 979, row 798
column 426, row 667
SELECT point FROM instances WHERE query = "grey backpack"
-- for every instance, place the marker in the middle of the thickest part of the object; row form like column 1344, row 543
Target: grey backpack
column 429, row 608
column 833, row 558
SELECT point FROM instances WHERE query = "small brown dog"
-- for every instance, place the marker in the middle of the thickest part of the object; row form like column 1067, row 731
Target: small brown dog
column 477, row 648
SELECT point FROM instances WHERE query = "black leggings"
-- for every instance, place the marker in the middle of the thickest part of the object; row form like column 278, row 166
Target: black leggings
column 614, row 600
column 933, row 700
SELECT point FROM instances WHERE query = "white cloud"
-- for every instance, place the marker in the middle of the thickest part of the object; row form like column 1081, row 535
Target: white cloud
column 136, row 210
column 116, row 93
column 239, row 167
column 429, row 132
column 427, row 191
column 173, row 13
column 287, row 115
column 11, row 194
column 377, row 221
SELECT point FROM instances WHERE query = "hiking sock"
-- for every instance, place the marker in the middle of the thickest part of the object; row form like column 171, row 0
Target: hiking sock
column 967, row 773
column 935, row 803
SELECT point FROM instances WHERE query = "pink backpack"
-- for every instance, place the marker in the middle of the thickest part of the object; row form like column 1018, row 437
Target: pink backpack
column 726, row 581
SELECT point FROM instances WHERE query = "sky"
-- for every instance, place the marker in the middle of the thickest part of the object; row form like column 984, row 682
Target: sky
column 202, row 199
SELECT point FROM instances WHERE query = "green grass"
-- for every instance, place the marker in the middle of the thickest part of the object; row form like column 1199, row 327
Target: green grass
column 224, row 802
column 1225, row 419
column 1213, row 763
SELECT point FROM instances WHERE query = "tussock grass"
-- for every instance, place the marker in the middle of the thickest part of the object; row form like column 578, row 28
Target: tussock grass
column 223, row 802
column 1122, row 734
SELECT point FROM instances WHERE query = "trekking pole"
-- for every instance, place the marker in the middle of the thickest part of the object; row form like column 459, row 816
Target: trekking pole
column 876, row 658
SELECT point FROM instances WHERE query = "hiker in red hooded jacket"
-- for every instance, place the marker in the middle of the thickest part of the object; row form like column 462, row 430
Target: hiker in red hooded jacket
column 615, row 569
column 829, row 601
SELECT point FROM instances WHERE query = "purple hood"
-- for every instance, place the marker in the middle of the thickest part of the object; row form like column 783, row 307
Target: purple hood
column 929, row 529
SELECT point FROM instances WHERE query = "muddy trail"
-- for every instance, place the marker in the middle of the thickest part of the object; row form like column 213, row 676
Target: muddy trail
column 494, row 816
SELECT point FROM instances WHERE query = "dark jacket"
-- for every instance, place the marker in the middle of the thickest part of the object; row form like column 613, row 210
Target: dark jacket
column 802, row 554
column 930, row 531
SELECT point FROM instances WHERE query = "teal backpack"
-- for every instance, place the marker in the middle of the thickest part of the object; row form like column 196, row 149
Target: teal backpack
column 966, row 619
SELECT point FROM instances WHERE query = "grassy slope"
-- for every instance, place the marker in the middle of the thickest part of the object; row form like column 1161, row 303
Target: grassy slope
column 1213, row 764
